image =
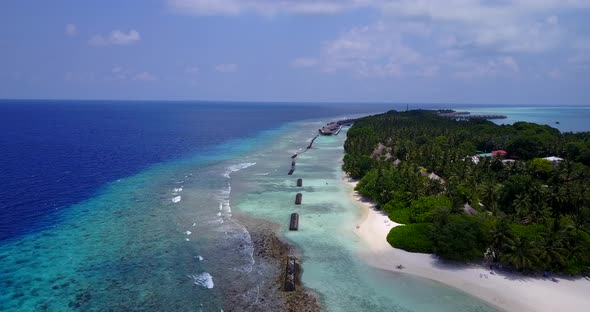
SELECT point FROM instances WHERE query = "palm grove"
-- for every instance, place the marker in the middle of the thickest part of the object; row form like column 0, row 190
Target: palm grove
column 526, row 213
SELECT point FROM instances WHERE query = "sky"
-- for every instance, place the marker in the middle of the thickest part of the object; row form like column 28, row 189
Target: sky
column 417, row 51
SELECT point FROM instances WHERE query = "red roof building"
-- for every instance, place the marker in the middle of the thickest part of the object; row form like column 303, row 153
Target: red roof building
column 498, row 153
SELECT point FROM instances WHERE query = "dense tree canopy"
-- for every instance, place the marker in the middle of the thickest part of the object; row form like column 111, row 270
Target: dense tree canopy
column 516, row 210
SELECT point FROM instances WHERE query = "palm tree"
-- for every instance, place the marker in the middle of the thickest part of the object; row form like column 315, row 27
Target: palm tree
column 555, row 198
column 501, row 238
column 554, row 252
column 522, row 205
column 488, row 192
column 522, row 254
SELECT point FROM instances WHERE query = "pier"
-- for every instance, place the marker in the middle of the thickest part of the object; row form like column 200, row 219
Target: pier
column 298, row 198
column 292, row 168
column 294, row 223
column 334, row 127
column 290, row 273
column 312, row 140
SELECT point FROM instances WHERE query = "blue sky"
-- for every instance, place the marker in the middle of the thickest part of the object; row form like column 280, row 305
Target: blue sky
column 454, row 51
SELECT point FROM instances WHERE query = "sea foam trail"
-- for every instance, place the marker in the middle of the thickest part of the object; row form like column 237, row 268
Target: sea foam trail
column 237, row 167
column 232, row 229
column 176, row 199
column 203, row 279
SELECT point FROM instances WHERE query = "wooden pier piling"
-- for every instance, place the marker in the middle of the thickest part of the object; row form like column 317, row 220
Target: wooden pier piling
column 290, row 273
column 294, row 223
column 291, row 171
column 298, row 198
column 312, row 140
column 299, row 182
column 293, row 164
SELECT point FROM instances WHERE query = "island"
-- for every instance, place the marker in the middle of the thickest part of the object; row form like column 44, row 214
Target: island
column 481, row 198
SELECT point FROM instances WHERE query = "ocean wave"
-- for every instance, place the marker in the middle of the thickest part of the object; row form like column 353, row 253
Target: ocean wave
column 237, row 167
column 176, row 199
column 203, row 279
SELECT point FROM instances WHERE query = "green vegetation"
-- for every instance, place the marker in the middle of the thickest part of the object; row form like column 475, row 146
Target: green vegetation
column 527, row 213
column 412, row 237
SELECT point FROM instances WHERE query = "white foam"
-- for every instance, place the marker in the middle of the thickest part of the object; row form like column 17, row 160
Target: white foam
column 188, row 232
column 203, row 279
column 237, row 167
column 199, row 258
column 177, row 190
column 194, row 223
column 187, row 239
column 176, row 199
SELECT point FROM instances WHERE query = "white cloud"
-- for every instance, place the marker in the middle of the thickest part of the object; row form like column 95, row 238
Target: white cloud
column 370, row 51
column 226, row 68
column 145, row 76
column 116, row 37
column 424, row 37
column 304, row 62
column 71, row 30
column 465, row 10
column 504, row 66
column 192, row 70
column 554, row 74
column 265, row 7
column 120, row 73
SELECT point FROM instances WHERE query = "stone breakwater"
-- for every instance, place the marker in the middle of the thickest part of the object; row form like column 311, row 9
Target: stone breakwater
column 270, row 252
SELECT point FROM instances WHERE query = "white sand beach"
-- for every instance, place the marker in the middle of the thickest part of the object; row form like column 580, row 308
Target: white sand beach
column 510, row 292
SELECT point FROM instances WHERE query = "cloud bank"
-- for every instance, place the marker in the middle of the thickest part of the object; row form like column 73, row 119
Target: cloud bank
column 115, row 38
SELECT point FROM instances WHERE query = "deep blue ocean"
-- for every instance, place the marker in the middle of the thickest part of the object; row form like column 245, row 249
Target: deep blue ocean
column 56, row 153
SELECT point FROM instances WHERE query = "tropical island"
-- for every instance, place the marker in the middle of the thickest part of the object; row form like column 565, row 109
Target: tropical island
column 515, row 197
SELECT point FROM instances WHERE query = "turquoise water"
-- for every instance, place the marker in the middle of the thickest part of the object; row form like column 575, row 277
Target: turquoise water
column 570, row 118
column 329, row 247
column 160, row 240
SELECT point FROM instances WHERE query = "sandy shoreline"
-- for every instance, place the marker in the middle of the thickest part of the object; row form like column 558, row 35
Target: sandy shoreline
column 510, row 292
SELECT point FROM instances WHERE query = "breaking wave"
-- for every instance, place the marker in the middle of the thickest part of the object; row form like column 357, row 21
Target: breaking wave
column 203, row 279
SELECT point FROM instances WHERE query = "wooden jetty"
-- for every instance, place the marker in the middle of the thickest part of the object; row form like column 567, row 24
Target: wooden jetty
column 334, row 127
column 290, row 273
column 298, row 198
column 292, row 168
column 299, row 182
column 312, row 140
column 294, row 223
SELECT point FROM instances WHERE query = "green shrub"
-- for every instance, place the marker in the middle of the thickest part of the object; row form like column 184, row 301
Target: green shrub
column 412, row 237
column 532, row 232
column 460, row 238
column 401, row 215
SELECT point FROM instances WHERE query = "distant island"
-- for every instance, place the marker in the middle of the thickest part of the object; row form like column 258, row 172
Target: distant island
column 514, row 196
